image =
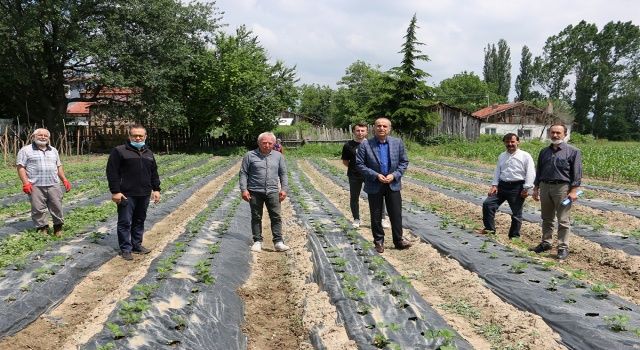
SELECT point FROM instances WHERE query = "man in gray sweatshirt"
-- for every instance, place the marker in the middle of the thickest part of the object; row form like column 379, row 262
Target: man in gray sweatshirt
column 263, row 181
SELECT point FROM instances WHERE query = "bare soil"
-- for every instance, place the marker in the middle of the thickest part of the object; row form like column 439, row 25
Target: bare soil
column 488, row 322
column 281, row 307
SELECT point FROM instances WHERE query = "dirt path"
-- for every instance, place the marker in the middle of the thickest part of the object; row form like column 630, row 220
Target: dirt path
column 473, row 310
column 84, row 312
column 281, row 308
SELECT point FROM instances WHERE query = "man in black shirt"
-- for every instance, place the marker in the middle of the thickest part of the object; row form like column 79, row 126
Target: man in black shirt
column 356, row 180
column 133, row 178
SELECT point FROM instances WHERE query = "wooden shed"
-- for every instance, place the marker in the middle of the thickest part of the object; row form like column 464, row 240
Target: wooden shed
column 455, row 122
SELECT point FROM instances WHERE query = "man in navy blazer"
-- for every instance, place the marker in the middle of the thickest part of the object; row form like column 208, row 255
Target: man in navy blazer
column 382, row 160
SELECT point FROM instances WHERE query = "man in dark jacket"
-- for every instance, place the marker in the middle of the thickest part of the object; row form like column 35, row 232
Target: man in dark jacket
column 133, row 178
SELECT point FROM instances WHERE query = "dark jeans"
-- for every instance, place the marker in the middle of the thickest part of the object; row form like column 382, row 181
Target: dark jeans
column 509, row 192
column 355, row 187
column 257, row 202
column 132, row 213
column 393, row 201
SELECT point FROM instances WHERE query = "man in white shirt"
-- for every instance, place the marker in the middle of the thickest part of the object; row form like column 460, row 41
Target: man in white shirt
column 512, row 179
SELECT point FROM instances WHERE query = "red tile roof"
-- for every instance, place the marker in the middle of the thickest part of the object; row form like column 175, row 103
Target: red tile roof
column 79, row 107
column 494, row 109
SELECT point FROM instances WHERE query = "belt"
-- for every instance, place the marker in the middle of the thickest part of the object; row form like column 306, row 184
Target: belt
column 555, row 182
column 518, row 182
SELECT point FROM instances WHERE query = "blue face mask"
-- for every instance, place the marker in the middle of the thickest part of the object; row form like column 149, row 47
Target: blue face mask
column 137, row 145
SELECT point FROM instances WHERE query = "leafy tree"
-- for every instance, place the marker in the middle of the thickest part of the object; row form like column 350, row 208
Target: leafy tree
column 237, row 92
column 524, row 80
column 104, row 44
column 405, row 96
column 316, row 102
column 360, row 84
column 497, row 68
column 467, row 91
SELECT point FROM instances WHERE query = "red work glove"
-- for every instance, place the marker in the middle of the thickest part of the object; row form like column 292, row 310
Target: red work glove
column 26, row 188
column 67, row 185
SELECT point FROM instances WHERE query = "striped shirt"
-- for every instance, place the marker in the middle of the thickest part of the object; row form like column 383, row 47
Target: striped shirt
column 41, row 165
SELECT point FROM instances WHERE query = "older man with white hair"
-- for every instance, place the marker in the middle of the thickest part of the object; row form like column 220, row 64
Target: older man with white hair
column 263, row 181
column 41, row 173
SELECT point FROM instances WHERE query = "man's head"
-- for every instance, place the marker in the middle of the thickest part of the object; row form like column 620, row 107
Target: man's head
column 511, row 142
column 266, row 140
column 382, row 128
column 137, row 135
column 41, row 137
column 360, row 131
column 557, row 133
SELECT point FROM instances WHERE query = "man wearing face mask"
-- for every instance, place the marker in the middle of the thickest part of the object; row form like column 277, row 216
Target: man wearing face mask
column 558, row 176
column 133, row 179
column 41, row 173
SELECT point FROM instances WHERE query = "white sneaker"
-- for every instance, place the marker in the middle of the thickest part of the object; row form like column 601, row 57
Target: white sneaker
column 256, row 247
column 356, row 223
column 386, row 223
column 281, row 247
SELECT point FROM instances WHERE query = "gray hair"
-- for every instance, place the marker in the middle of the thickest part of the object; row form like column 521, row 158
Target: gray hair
column 38, row 130
column 267, row 134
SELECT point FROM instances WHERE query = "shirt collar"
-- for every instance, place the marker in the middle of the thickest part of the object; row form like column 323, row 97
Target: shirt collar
column 36, row 148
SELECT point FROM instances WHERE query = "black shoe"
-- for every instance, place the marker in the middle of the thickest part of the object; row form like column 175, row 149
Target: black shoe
column 141, row 250
column 43, row 229
column 127, row 256
column 563, row 253
column 379, row 247
column 514, row 237
column 542, row 247
column 403, row 244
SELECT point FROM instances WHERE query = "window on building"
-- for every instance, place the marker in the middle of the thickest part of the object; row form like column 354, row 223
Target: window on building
column 490, row 131
column 524, row 133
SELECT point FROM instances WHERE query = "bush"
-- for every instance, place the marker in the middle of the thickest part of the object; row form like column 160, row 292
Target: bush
column 579, row 138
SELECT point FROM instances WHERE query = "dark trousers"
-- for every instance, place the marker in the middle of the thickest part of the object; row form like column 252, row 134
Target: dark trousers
column 509, row 192
column 393, row 201
column 132, row 213
column 257, row 203
column 355, row 187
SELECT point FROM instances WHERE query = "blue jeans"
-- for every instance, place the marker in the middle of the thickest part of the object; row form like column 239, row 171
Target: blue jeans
column 256, row 203
column 509, row 192
column 131, row 216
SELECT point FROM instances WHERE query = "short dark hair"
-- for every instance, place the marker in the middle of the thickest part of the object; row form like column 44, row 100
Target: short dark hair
column 359, row 124
column 137, row 126
column 559, row 123
column 508, row 136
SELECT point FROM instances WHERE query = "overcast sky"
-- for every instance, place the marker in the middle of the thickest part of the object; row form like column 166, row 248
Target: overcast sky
column 323, row 37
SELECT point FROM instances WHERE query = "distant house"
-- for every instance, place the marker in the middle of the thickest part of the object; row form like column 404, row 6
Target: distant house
column 520, row 118
column 455, row 122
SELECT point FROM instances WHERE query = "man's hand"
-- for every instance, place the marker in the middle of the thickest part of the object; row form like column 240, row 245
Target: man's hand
column 492, row 191
column 524, row 193
column 155, row 196
column 246, row 196
column 536, row 194
column 282, row 195
column 67, row 185
column 390, row 178
column 382, row 178
column 117, row 197
column 26, row 188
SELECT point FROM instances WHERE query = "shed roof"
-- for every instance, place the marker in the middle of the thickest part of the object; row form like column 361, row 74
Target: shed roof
column 79, row 107
column 495, row 109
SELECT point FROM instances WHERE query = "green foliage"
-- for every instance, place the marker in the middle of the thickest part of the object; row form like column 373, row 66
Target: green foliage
column 131, row 312
column 115, row 330
column 43, row 273
column 617, row 322
column 463, row 308
column 519, row 267
column 203, row 273
column 466, row 91
column 524, row 80
column 316, row 103
column 380, row 341
column 497, row 69
column 601, row 290
column 107, row 346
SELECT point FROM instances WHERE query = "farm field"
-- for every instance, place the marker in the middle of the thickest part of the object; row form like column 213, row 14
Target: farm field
column 202, row 288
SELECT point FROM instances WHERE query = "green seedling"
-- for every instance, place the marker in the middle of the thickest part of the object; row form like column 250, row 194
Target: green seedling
column 601, row 290
column 339, row 261
column 58, row 260
column 519, row 267
column 553, row 284
column 95, row 237
column 145, row 290
column 214, row 248
column 463, row 308
column 107, row 346
column 363, row 308
column 131, row 312
column 115, row 330
column 180, row 322
column 446, row 335
column 202, row 272
column 380, row 341
column 617, row 322
column 493, row 255
column 483, row 247
column 570, row 299
column 10, row 299
column 548, row 265
column 25, row 288
column 578, row 274
column 20, row 264
column 43, row 273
